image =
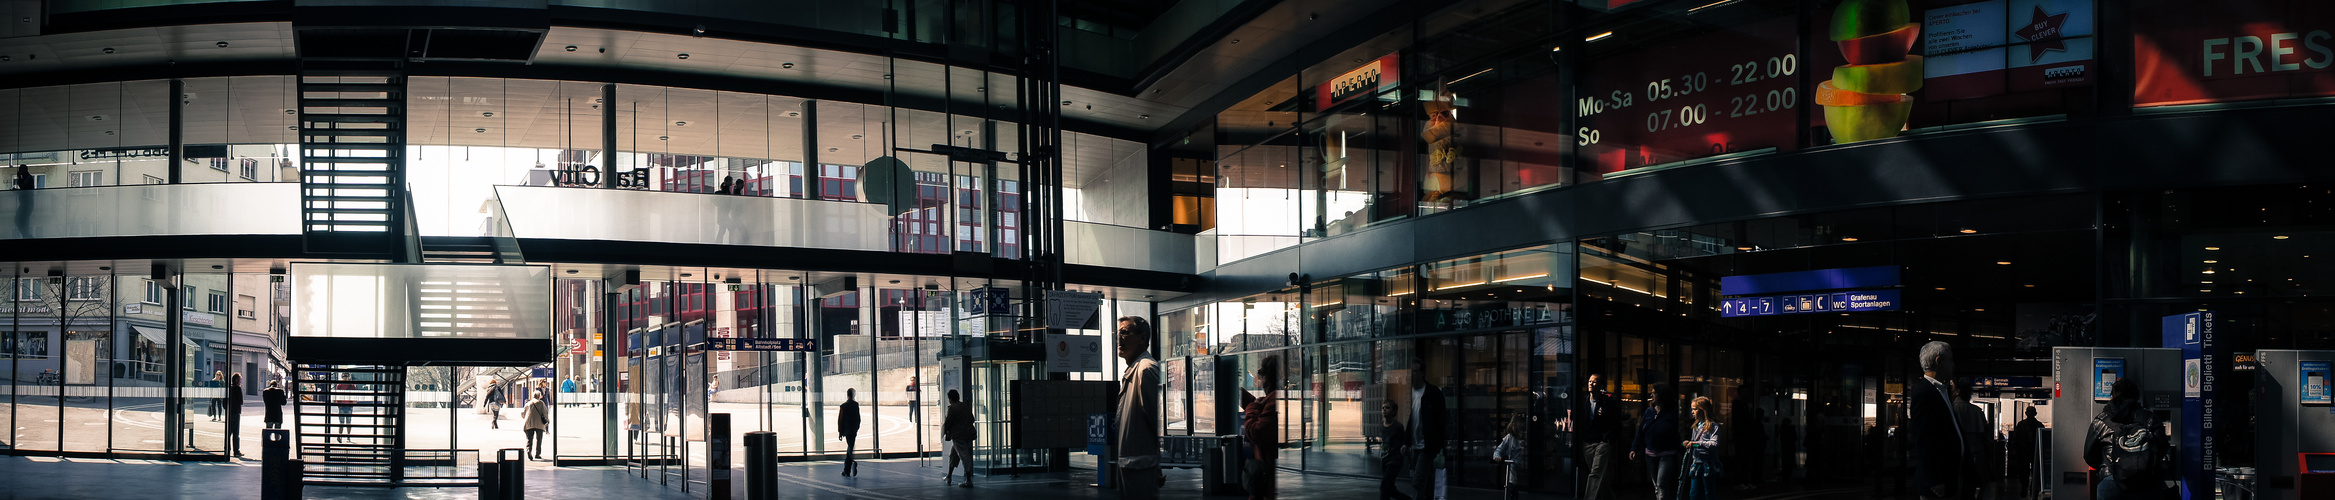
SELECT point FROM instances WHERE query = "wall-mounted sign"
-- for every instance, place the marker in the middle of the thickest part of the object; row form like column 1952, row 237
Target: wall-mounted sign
column 1074, row 353
column 2190, row 52
column 1821, row 279
column 989, row 301
column 2315, row 383
column 1070, row 309
column 2105, row 371
column 121, row 153
column 1988, row 48
column 1381, row 75
column 1864, row 300
column 738, row 344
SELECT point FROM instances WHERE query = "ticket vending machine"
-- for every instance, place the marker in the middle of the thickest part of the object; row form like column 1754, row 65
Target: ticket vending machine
column 2294, row 422
column 2083, row 375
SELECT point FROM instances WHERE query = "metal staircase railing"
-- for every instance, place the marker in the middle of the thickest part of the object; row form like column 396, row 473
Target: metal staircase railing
column 352, row 151
column 350, row 424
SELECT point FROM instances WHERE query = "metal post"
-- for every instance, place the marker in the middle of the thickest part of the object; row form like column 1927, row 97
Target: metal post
column 177, row 129
column 608, row 136
column 811, row 150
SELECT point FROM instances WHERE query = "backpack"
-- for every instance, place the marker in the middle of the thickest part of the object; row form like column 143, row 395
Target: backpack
column 2137, row 452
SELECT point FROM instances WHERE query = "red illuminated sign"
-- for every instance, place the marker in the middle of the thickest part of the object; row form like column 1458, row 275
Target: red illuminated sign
column 2189, row 52
column 1730, row 90
column 1381, row 75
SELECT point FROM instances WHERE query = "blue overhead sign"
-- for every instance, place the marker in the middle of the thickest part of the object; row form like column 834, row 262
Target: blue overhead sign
column 738, row 344
column 1802, row 281
column 1864, row 300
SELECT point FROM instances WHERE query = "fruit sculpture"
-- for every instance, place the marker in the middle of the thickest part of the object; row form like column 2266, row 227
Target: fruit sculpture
column 1866, row 98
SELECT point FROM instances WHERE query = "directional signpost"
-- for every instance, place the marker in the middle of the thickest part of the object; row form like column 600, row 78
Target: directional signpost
column 737, row 344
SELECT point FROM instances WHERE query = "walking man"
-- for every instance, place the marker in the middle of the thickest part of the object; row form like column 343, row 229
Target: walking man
column 847, row 424
column 1138, row 453
column 274, row 398
column 2023, row 452
column 1603, row 426
column 535, row 419
column 1937, row 437
column 1427, row 417
column 957, row 429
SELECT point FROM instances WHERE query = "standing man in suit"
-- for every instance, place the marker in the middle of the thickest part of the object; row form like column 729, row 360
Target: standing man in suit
column 847, row 424
column 1427, row 428
column 1602, row 425
column 1138, row 432
column 1936, row 435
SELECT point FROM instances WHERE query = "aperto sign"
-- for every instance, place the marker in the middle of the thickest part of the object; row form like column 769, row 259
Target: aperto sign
column 1378, row 76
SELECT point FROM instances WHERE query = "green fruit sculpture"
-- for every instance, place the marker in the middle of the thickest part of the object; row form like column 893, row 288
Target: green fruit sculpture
column 1866, row 99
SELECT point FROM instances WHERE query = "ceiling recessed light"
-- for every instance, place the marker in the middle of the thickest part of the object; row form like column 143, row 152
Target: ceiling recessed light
column 216, row 266
column 787, row 65
column 1236, row 41
column 488, row 114
column 2206, row 282
column 2212, row 248
column 856, row 137
column 2030, row 285
column 685, row 275
column 1969, row 231
column 109, row 50
column 2209, row 271
column 680, row 124
column 683, row 56
column 664, row 138
column 222, row 44
column 831, row 150
column 1743, row 249
column 1599, row 36
column 1941, row 289
column 482, row 131
column 2002, row 263
column 571, row 48
column 1848, row 238
column 2279, row 237
column 571, row 271
column 2212, row 261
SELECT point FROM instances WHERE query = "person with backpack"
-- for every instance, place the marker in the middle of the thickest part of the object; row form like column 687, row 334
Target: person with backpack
column 2127, row 446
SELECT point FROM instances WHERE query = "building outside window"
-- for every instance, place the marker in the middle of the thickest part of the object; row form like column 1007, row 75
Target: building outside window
column 250, row 169
column 155, row 180
column 218, row 303
column 189, row 300
column 28, row 289
column 244, row 306
column 85, row 178
column 84, row 288
column 155, row 293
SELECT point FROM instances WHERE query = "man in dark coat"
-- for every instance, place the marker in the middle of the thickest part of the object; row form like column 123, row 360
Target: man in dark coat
column 1427, row 428
column 1601, row 427
column 235, row 414
column 2023, row 452
column 847, row 424
column 1936, row 436
column 274, row 398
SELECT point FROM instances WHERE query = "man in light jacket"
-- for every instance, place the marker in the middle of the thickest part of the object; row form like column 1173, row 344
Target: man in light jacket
column 1138, row 452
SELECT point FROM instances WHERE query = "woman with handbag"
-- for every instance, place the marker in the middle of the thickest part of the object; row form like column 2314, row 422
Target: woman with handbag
column 1702, row 449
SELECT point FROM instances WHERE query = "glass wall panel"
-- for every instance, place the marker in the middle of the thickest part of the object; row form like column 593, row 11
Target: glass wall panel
column 139, row 348
column 209, row 351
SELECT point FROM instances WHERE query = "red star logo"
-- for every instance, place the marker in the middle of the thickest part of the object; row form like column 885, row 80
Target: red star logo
column 2042, row 33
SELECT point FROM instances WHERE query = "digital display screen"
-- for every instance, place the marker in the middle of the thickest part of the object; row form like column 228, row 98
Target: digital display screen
column 1728, row 90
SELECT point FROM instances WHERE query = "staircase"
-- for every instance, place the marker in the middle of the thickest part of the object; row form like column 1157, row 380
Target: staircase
column 352, row 154
column 369, row 449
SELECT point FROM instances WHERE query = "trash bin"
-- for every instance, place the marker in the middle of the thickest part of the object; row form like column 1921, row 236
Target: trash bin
column 279, row 474
column 1220, row 469
column 761, row 465
column 505, row 478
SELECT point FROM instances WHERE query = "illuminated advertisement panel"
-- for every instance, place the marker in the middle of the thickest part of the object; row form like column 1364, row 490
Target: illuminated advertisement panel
column 1380, row 75
column 2191, row 52
column 1712, row 93
column 1997, row 46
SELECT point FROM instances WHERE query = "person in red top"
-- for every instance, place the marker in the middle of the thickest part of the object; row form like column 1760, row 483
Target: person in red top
column 1262, row 430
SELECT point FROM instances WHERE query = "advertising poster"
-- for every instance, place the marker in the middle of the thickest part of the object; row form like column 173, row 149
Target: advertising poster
column 1989, row 48
column 1713, row 93
column 2315, row 387
column 2105, row 371
column 2190, row 52
column 1074, row 353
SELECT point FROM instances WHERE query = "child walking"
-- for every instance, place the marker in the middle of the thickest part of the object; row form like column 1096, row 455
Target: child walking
column 1510, row 452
